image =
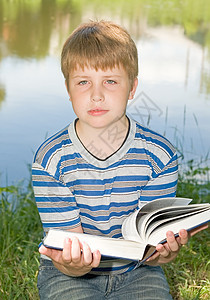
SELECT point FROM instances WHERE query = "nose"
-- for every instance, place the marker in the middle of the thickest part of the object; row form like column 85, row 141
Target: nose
column 97, row 98
column 97, row 93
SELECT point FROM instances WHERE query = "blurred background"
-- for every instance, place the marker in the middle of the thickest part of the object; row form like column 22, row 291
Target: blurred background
column 173, row 96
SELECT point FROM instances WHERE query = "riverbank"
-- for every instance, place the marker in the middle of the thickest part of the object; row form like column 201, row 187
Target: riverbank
column 21, row 232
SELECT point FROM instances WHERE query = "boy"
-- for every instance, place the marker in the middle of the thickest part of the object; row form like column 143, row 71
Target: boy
column 95, row 172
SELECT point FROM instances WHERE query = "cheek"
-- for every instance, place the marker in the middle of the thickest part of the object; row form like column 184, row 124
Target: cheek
column 78, row 105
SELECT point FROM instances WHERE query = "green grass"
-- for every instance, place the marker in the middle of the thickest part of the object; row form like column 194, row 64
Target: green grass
column 21, row 231
column 189, row 274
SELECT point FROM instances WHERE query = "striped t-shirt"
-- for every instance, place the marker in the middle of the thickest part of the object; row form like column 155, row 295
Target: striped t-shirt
column 74, row 187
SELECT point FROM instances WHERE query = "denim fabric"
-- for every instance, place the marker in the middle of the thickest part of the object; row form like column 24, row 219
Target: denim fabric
column 145, row 282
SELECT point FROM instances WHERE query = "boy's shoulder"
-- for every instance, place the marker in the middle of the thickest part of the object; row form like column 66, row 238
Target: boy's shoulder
column 52, row 145
column 153, row 139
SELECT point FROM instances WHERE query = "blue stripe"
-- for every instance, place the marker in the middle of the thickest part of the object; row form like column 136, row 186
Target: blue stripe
column 148, row 154
column 61, row 224
column 155, row 139
column 170, row 170
column 52, row 151
column 69, row 199
column 106, row 232
column 40, row 172
column 56, row 209
column 64, row 158
column 88, row 167
column 57, row 135
column 111, row 180
column 107, row 207
column 79, row 166
column 146, row 129
column 160, row 186
column 117, row 235
column 127, row 162
column 123, row 190
column 48, row 184
column 106, row 218
column 150, row 198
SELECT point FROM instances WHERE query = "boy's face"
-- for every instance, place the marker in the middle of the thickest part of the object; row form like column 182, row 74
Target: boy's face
column 99, row 98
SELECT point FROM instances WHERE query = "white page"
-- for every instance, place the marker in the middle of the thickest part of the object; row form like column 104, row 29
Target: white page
column 164, row 202
column 129, row 227
column 154, row 225
column 143, row 222
column 107, row 246
column 185, row 223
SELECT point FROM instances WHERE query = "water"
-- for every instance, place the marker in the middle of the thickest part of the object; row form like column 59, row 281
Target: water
column 173, row 96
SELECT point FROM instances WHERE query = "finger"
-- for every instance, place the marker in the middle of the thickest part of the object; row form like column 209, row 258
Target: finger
column 154, row 256
column 44, row 250
column 178, row 239
column 198, row 229
column 67, row 250
column 75, row 250
column 162, row 250
column 183, row 234
column 171, row 241
column 87, row 254
column 54, row 254
column 96, row 259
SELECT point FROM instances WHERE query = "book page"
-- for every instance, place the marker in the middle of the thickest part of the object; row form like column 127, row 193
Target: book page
column 161, row 215
column 185, row 223
column 129, row 228
column 164, row 202
column 130, row 231
column 107, row 246
column 165, row 218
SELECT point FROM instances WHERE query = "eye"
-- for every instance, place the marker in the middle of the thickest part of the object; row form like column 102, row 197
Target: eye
column 110, row 81
column 83, row 82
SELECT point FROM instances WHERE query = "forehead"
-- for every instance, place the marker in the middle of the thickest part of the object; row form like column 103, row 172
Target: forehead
column 115, row 71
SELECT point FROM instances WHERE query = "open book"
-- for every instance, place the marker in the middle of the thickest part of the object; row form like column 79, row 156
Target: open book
column 145, row 227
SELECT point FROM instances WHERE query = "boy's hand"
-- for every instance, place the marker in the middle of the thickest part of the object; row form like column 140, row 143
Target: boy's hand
column 168, row 251
column 76, row 259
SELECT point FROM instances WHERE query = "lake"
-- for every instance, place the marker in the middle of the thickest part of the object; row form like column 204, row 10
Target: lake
column 173, row 96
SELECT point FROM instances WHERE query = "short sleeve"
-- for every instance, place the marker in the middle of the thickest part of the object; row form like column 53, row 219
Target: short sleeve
column 163, row 182
column 56, row 204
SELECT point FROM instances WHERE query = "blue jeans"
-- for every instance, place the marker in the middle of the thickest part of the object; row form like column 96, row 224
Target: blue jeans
column 145, row 282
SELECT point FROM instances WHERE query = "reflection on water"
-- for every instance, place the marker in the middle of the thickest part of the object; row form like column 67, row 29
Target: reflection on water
column 173, row 40
column 2, row 94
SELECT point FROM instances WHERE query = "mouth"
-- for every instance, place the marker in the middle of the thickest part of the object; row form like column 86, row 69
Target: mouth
column 97, row 112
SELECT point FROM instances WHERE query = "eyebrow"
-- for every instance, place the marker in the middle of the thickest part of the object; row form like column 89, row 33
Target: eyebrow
column 113, row 75
column 106, row 76
column 79, row 76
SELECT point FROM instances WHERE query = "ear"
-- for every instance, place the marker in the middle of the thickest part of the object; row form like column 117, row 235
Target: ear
column 133, row 89
column 67, row 88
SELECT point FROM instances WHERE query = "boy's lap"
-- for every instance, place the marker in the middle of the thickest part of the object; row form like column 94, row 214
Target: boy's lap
column 143, row 283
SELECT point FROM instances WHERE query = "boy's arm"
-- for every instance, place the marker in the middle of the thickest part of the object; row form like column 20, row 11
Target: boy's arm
column 55, row 202
column 164, row 185
column 169, row 251
column 76, row 258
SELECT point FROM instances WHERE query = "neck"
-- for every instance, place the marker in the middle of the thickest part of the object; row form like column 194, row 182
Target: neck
column 103, row 142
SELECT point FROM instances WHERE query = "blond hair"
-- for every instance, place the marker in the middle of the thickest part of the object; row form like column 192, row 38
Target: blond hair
column 99, row 45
